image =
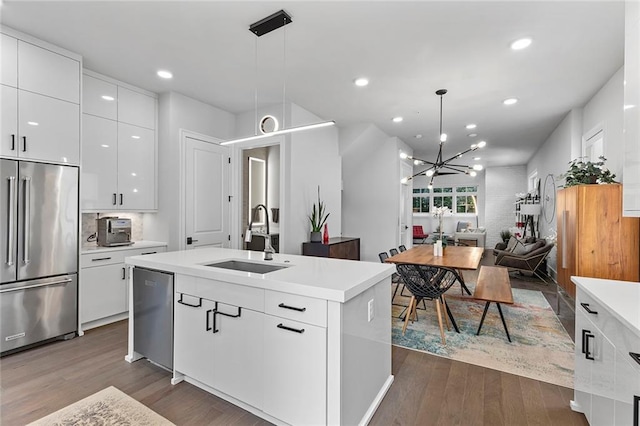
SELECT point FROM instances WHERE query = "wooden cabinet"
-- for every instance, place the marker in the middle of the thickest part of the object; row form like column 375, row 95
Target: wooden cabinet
column 103, row 291
column 40, row 101
column 338, row 248
column 631, row 165
column 594, row 240
column 119, row 158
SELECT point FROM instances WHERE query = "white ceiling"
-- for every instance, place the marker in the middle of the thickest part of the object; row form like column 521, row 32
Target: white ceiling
column 408, row 50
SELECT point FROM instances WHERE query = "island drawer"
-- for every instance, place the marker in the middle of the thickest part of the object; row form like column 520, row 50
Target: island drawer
column 295, row 307
column 220, row 291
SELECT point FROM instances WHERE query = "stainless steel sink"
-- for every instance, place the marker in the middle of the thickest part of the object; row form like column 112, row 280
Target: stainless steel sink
column 239, row 265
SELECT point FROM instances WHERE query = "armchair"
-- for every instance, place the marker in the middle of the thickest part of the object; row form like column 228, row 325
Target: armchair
column 529, row 261
column 418, row 234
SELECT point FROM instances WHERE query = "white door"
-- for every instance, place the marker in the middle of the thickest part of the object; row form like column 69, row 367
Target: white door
column 206, row 177
column 406, row 195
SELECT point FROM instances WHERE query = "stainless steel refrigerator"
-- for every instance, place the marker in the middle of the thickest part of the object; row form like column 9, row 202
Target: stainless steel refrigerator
column 39, row 239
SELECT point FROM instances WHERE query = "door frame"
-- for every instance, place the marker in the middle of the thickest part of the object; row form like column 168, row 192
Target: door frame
column 182, row 217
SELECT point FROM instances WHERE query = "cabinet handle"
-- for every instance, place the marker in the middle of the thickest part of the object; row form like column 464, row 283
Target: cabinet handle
column 12, row 219
column 26, row 233
column 97, row 259
column 189, row 304
column 295, row 330
column 586, row 308
column 587, row 353
column 149, row 252
column 565, row 213
column 124, row 273
column 636, row 410
column 217, row 312
column 207, row 314
column 635, row 356
column 24, row 144
column 293, row 308
column 584, row 332
column 13, row 142
column 114, row 199
column 121, row 199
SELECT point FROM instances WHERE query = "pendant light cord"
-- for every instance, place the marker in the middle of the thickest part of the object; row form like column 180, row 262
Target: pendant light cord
column 284, row 74
column 255, row 94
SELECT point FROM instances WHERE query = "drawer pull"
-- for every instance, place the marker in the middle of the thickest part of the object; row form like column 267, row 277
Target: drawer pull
column 295, row 330
column 208, row 325
column 587, row 353
column 97, row 259
column 217, row 312
column 635, row 356
column 636, row 410
column 584, row 339
column 124, row 273
column 586, row 308
column 293, row 308
column 189, row 304
column 149, row 252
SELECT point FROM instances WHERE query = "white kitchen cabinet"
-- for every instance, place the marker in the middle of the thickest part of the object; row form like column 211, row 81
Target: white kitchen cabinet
column 220, row 345
column 295, row 375
column 9, row 66
column 631, row 164
column 607, row 383
column 103, row 291
column 136, row 108
column 124, row 178
column 99, row 97
column 41, row 118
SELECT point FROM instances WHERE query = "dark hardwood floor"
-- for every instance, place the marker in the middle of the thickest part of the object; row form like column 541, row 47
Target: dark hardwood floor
column 427, row 389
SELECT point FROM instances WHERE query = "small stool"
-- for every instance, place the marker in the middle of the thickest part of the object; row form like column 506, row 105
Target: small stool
column 493, row 286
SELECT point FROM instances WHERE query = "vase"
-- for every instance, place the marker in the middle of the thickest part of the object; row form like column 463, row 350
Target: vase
column 316, row 237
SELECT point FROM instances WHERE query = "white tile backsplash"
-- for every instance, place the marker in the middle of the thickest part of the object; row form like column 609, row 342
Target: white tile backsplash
column 89, row 225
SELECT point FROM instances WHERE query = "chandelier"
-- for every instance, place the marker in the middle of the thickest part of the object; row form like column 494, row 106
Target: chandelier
column 442, row 166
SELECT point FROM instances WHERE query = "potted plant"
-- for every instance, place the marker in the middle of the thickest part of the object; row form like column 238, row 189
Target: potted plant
column 317, row 218
column 587, row 172
column 505, row 235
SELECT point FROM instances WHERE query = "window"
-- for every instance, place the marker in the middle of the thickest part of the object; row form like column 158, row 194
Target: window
column 593, row 145
column 464, row 198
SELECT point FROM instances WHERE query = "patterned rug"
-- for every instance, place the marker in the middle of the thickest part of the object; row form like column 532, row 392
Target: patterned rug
column 541, row 349
column 109, row 407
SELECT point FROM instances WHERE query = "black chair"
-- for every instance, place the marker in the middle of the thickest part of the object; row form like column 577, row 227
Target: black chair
column 383, row 256
column 427, row 283
column 393, row 251
column 402, row 248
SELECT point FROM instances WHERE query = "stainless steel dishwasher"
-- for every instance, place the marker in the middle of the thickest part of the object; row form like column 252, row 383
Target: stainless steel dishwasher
column 153, row 315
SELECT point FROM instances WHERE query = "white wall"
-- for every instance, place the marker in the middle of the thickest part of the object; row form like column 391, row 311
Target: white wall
column 371, row 188
column 175, row 112
column 502, row 184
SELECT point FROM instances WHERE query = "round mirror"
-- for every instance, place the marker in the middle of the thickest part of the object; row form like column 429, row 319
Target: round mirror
column 268, row 124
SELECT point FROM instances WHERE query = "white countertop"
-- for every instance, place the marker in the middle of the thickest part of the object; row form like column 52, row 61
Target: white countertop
column 622, row 297
column 94, row 248
column 331, row 279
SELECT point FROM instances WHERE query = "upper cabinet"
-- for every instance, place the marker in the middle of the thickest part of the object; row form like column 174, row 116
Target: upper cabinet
column 631, row 168
column 40, row 100
column 119, row 146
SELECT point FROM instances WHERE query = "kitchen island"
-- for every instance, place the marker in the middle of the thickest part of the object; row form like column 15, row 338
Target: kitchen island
column 306, row 343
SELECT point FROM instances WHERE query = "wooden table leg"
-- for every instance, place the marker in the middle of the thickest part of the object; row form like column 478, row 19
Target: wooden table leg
column 503, row 322
column 484, row 314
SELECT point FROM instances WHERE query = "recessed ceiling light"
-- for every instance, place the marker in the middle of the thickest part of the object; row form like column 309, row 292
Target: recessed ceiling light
column 418, row 136
column 522, row 43
column 510, row 101
column 104, row 145
column 626, row 107
column 108, row 98
column 361, row 82
column 135, row 137
column 476, row 158
column 33, row 123
column 165, row 74
column 472, row 135
column 470, row 126
column 397, row 119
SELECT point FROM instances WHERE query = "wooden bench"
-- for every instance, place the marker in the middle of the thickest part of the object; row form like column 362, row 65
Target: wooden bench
column 494, row 286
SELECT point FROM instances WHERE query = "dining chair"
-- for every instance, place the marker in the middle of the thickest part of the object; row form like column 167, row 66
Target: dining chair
column 427, row 283
column 402, row 248
column 393, row 251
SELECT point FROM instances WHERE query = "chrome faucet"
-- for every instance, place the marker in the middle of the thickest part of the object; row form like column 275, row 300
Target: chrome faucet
column 268, row 248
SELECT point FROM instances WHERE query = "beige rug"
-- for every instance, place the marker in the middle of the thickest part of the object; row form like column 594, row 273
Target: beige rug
column 110, row 406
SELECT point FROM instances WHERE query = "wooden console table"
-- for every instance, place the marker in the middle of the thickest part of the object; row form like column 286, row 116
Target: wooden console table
column 338, row 248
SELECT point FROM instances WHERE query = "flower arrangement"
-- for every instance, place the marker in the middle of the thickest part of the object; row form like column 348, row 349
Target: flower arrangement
column 587, row 172
column 440, row 212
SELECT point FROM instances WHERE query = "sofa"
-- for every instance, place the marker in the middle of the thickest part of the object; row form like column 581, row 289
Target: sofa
column 527, row 255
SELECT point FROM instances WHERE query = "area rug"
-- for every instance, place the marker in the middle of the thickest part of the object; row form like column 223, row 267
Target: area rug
column 541, row 349
column 110, row 407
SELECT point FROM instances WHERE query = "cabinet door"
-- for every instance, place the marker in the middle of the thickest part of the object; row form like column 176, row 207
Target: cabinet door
column 602, row 378
column 136, row 168
column 567, row 238
column 99, row 98
column 295, row 371
column 48, row 73
column 627, row 404
column 103, row 292
column 99, row 163
column 582, row 367
column 9, row 65
column 9, row 121
column 136, row 108
column 193, row 324
column 237, row 353
column 49, row 129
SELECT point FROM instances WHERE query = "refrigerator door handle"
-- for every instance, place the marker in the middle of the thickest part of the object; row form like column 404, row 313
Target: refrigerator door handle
column 12, row 219
column 27, row 218
column 65, row 281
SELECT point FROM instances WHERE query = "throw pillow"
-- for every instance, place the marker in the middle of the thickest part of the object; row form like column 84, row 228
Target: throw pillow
column 520, row 248
column 513, row 241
